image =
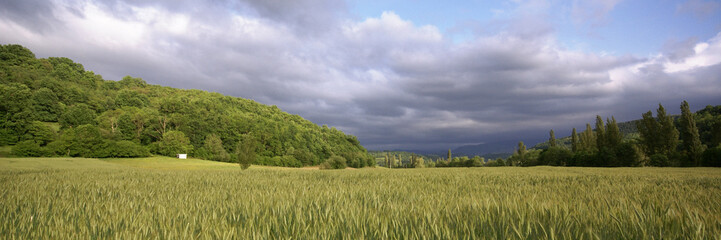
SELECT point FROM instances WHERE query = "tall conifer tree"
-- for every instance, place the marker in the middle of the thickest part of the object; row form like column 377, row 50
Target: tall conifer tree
column 588, row 139
column 600, row 132
column 574, row 141
column 691, row 142
column 613, row 133
column 449, row 155
column 552, row 139
column 668, row 134
column 521, row 153
column 648, row 129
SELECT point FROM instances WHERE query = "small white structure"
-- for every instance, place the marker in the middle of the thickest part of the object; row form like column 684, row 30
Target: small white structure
column 182, row 156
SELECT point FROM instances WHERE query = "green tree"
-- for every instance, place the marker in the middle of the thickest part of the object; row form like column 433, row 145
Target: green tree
column 552, row 139
column 574, row 141
column 712, row 157
column 417, row 162
column 305, row 157
column 66, row 70
column 245, row 152
column 658, row 136
column 28, row 148
column 130, row 98
column 626, row 155
column 555, row 156
column 520, row 155
column 668, row 134
column 691, row 142
column 334, row 162
column 649, row 129
column 13, row 54
column 88, row 140
column 76, row 115
column 659, row 160
column 588, row 140
column 708, row 122
column 109, row 122
column 131, row 82
column 449, row 155
column 121, row 149
column 133, row 121
column 477, row 161
column 173, row 143
column 39, row 132
column 214, row 145
column 82, row 141
column 46, row 105
column 613, row 133
column 600, row 132
column 387, row 160
column 14, row 113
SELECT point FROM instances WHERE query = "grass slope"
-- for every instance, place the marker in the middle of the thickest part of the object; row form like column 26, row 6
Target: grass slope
column 117, row 199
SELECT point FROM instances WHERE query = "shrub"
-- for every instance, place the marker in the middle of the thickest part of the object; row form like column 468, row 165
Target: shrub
column 83, row 141
column 39, row 132
column 290, row 161
column 215, row 150
column 174, row 142
column 555, row 156
column 76, row 115
column 202, row 153
column 582, row 158
column 305, row 157
column 659, row 160
column 27, row 148
column 121, row 149
column 627, row 156
column 712, row 157
column 334, row 162
column 245, row 153
column 496, row 163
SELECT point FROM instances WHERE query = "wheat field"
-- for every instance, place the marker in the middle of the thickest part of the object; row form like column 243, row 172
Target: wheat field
column 165, row 198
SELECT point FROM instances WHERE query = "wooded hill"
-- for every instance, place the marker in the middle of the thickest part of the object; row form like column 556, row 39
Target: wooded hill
column 54, row 107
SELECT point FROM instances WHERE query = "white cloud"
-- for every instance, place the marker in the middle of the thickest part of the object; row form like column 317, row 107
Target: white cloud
column 704, row 54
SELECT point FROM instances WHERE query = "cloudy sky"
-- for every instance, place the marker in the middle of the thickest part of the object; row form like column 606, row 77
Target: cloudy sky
column 401, row 74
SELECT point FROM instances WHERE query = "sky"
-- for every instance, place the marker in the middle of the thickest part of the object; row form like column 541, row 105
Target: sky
column 401, row 74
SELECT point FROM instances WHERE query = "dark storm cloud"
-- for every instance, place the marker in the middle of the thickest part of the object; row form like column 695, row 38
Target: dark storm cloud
column 386, row 80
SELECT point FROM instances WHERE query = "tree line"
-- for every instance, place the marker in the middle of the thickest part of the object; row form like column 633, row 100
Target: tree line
column 397, row 159
column 661, row 141
column 688, row 140
column 54, row 107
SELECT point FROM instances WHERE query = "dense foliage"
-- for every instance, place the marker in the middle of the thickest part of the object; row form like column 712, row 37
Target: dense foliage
column 54, row 107
column 334, row 162
column 688, row 140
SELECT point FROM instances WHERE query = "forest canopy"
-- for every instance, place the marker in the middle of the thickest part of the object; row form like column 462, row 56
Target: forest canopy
column 54, row 107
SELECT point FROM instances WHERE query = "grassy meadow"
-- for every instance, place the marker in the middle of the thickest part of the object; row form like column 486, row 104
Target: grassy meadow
column 166, row 198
